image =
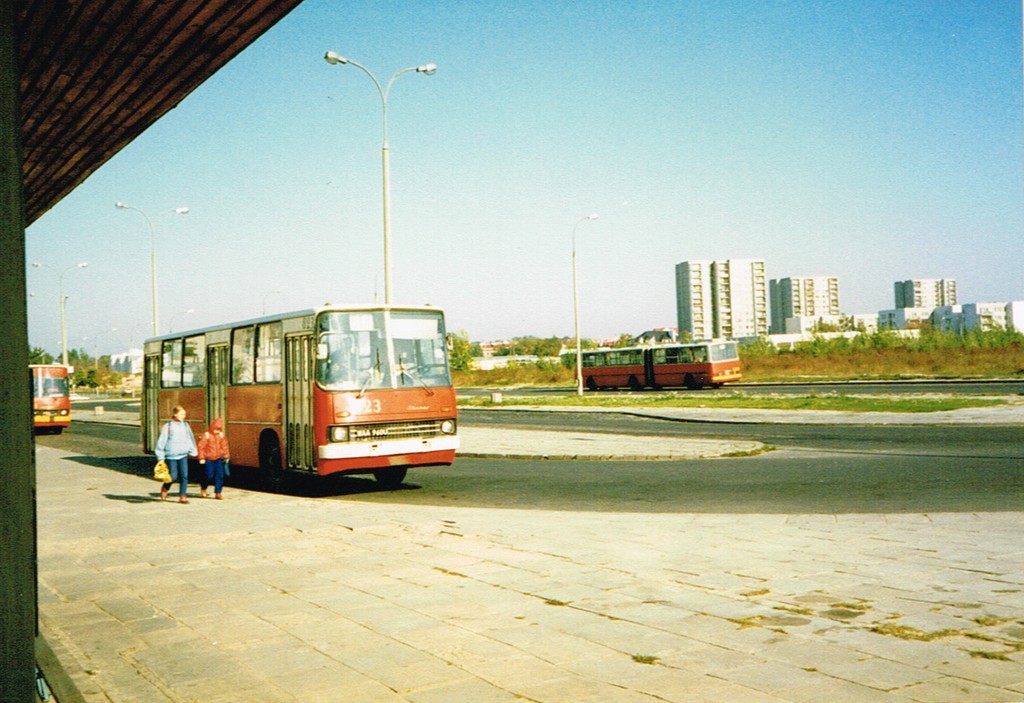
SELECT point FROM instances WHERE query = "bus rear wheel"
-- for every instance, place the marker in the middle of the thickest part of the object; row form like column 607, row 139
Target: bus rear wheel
column 271, row 472
column 390, row 479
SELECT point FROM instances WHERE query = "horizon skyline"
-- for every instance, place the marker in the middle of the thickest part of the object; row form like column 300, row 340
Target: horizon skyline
column 494, row 340
column 870, row 141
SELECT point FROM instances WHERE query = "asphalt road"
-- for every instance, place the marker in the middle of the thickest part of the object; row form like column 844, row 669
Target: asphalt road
column 813, row 469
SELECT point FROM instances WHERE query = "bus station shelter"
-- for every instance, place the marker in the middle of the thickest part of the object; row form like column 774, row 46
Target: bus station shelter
column 78, row 82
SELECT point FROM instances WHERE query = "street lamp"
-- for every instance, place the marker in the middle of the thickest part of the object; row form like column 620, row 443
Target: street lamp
column 427, row 69
column 576, row 308
column 61, row 299
column 170, row 327
column 152, row 236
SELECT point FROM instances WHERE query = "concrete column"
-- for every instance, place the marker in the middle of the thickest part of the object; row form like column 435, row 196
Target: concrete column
column 17, row 458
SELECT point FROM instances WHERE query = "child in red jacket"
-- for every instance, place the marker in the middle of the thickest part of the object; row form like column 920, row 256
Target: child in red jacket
column 214, row 453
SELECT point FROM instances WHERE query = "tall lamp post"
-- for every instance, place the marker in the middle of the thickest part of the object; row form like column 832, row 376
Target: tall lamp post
column 576, row 308
column 152, row 255
column 427, row 69
column 61, row 300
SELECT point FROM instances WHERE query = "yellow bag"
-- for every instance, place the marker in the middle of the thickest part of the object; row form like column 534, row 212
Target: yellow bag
column 160, row 472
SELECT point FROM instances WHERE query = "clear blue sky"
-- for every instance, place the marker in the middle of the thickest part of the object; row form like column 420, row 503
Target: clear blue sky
column 874, row 141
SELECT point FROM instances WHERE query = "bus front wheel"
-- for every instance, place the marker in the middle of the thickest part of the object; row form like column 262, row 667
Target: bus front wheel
column 390, row 479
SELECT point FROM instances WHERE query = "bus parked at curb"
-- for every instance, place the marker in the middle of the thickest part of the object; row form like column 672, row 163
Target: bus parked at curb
column 51, row 397
column 328, row 390
column 692, row 365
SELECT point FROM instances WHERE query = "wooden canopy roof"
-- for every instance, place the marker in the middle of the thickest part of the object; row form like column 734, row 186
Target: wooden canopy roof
column 96, row 73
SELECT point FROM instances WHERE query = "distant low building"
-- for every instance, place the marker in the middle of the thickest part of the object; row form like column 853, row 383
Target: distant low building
column 904, row 318
column 1015, row 315
column 948, row 318
column 985, row 316
column 129, row 362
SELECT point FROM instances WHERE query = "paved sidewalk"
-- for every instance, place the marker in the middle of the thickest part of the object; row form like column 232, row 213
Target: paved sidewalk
column 279, row 598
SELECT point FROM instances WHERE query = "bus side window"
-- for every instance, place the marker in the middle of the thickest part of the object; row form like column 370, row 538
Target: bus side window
column 170, row 364
column 268, row 356
column 243, row 354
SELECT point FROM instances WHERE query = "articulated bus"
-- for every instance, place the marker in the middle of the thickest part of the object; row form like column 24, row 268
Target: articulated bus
column 328, row 390
column 51, row 398
column 693, row 365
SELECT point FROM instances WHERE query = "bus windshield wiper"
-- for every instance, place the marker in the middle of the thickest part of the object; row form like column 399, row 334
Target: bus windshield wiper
column 403, row 372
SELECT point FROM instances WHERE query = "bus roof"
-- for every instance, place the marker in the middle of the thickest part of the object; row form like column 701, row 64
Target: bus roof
column 326, row 307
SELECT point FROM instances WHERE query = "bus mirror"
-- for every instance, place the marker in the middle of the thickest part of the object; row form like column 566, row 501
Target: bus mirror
column 321, row 351
column 449, row 342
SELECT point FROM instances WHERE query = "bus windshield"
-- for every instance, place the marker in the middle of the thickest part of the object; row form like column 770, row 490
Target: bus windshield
column 374, row 349
column 723, row 351
column 50, row 386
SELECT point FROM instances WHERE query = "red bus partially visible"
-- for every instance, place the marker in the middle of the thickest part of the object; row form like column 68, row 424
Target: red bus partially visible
column 693, row 365
column 320, row 391
column 51, row 398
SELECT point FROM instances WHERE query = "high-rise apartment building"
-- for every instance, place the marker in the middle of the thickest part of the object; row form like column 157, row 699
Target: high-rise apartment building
column 727, row 298
column 809, row 296
column 925, row 293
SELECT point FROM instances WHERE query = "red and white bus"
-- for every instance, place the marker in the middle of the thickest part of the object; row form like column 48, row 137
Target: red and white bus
column 693, row 365
column 51, row 397
column 334, row 389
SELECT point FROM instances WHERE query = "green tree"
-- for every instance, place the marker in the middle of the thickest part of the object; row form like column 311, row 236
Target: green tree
column 39, row 356
column 460, row 355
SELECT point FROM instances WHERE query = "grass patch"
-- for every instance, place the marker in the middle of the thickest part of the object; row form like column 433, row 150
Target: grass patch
column 853, row 606
column 554, row 601
column 991, row 620
column 644, row 659
column 982, row 654
column 912, row 633
column 754, row 594
column 813, row 402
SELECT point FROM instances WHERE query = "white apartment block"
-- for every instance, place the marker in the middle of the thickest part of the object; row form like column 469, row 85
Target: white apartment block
column 724, row 298
column 925, row 293
column 811, row 297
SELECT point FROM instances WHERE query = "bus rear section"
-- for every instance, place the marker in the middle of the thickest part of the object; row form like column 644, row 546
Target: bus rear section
column 51, row 398
column 614, row 368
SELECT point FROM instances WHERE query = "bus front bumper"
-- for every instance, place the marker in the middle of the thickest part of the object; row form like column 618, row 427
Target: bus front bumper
column 360, row 450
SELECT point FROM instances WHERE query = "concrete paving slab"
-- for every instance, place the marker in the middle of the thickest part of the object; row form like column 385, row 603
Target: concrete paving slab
column 371, row 601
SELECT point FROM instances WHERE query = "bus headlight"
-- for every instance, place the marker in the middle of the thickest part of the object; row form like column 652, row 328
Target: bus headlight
column 337, row 433
column 448, row 427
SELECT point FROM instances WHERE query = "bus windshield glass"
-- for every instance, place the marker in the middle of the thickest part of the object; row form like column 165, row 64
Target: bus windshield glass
column 374, row 349
column 723, row 351
column 50, row 386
